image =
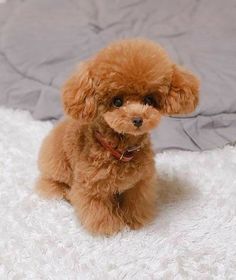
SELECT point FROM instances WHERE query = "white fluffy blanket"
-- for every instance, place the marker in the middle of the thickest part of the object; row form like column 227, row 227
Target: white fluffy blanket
column 193, row 236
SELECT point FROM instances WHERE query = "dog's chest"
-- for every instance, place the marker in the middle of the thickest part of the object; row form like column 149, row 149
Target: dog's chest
column 112, row 175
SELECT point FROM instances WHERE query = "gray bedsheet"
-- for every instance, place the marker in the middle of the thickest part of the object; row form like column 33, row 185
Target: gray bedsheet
column 41, row 41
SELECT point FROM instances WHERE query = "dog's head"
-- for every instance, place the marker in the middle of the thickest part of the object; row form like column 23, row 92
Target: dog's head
column 129, row 85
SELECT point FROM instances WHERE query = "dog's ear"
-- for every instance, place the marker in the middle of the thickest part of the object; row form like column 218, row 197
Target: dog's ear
column 78, row 95
column 183, row 95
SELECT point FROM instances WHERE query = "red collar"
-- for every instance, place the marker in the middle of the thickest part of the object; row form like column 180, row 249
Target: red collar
column 124, row 156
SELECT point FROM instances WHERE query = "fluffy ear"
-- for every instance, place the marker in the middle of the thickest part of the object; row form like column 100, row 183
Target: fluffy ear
column 78, row 95
column 183, row 95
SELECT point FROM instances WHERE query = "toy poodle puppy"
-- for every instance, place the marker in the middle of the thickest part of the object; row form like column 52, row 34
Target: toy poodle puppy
column 99, row 157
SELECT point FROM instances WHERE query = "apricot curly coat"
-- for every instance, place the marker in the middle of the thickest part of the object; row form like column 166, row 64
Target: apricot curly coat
column 72, row 162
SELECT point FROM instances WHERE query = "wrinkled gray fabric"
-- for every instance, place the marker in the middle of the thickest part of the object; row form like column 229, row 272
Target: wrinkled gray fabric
column 42, row 41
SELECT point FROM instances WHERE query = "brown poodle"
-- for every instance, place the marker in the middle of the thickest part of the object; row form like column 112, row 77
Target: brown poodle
column 100, row 157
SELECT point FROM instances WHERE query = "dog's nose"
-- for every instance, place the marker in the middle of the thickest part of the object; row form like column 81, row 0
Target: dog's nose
column 137, row 121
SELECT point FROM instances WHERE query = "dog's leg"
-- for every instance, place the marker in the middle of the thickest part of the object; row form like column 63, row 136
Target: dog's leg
column 49, row 188
column 97, row 215
column 138, row 204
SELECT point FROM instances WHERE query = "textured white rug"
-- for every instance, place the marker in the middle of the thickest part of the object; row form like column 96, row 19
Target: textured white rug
column 193, row 236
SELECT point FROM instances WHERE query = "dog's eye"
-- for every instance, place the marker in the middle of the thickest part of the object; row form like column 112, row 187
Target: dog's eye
column 117, row 102
column 149, row 100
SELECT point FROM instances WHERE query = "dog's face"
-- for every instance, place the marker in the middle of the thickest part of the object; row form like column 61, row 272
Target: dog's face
column 132, row 115
column 129, row 85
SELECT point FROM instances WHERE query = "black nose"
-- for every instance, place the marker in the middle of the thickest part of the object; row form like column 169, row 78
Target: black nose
column 137, row 121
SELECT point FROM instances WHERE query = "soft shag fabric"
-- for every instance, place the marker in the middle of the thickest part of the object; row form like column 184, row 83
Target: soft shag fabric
column 42, row 41
column 193, row 236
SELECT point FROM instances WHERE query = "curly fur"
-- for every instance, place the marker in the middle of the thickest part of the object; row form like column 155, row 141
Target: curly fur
column 76, row 167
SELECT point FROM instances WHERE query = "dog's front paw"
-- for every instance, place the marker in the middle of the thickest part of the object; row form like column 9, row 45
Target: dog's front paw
column 107, row 225
column 133, row 223
column 137, row 218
